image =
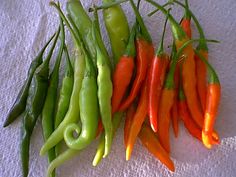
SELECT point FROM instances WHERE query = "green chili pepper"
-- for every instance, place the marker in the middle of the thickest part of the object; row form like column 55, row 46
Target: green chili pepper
column 101, row 147
column 20, row 102
column 64, row 96
column 104, row 93
column 84, row 24
column 34, row 106
column 117, row 28
column 50, row 101
column 65, row 92
column 67, row 155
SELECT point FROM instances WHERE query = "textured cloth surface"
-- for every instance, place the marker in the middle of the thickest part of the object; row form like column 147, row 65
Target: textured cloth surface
column 25, row 27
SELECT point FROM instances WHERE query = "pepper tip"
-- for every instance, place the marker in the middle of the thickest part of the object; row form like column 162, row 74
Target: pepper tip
column 154, row 128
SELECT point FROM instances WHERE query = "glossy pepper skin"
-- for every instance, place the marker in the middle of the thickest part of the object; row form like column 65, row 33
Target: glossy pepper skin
column 51, row 96
column 84, row 25
column 20, row 103
column 73, row 113
column 117, row 28
column 34, row 106
column 151, row 142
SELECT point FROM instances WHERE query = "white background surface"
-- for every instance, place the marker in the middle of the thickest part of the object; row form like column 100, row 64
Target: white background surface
column 25, row 26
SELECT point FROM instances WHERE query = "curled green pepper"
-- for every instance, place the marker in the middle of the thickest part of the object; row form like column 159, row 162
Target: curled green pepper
column 88, row 104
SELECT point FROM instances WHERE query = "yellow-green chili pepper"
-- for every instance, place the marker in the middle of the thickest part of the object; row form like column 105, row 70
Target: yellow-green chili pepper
column 104, row 92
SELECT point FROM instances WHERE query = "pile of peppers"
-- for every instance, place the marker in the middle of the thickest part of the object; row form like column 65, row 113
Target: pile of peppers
column 151, row 90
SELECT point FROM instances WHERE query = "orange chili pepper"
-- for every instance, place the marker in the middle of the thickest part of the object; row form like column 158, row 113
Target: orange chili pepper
column 212, row 103
column 166, row 103
column 201, row 73
column 150, row 141
column 138, row 120
column 128, row 120
column 175, row 117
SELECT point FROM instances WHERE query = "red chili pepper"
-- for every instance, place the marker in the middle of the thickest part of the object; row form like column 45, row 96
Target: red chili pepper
column 128, row 120
column 123, row 73
column 145, row 53
column 150, row 141
column 138, row 120
column 212, row 103
column 156, row 77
